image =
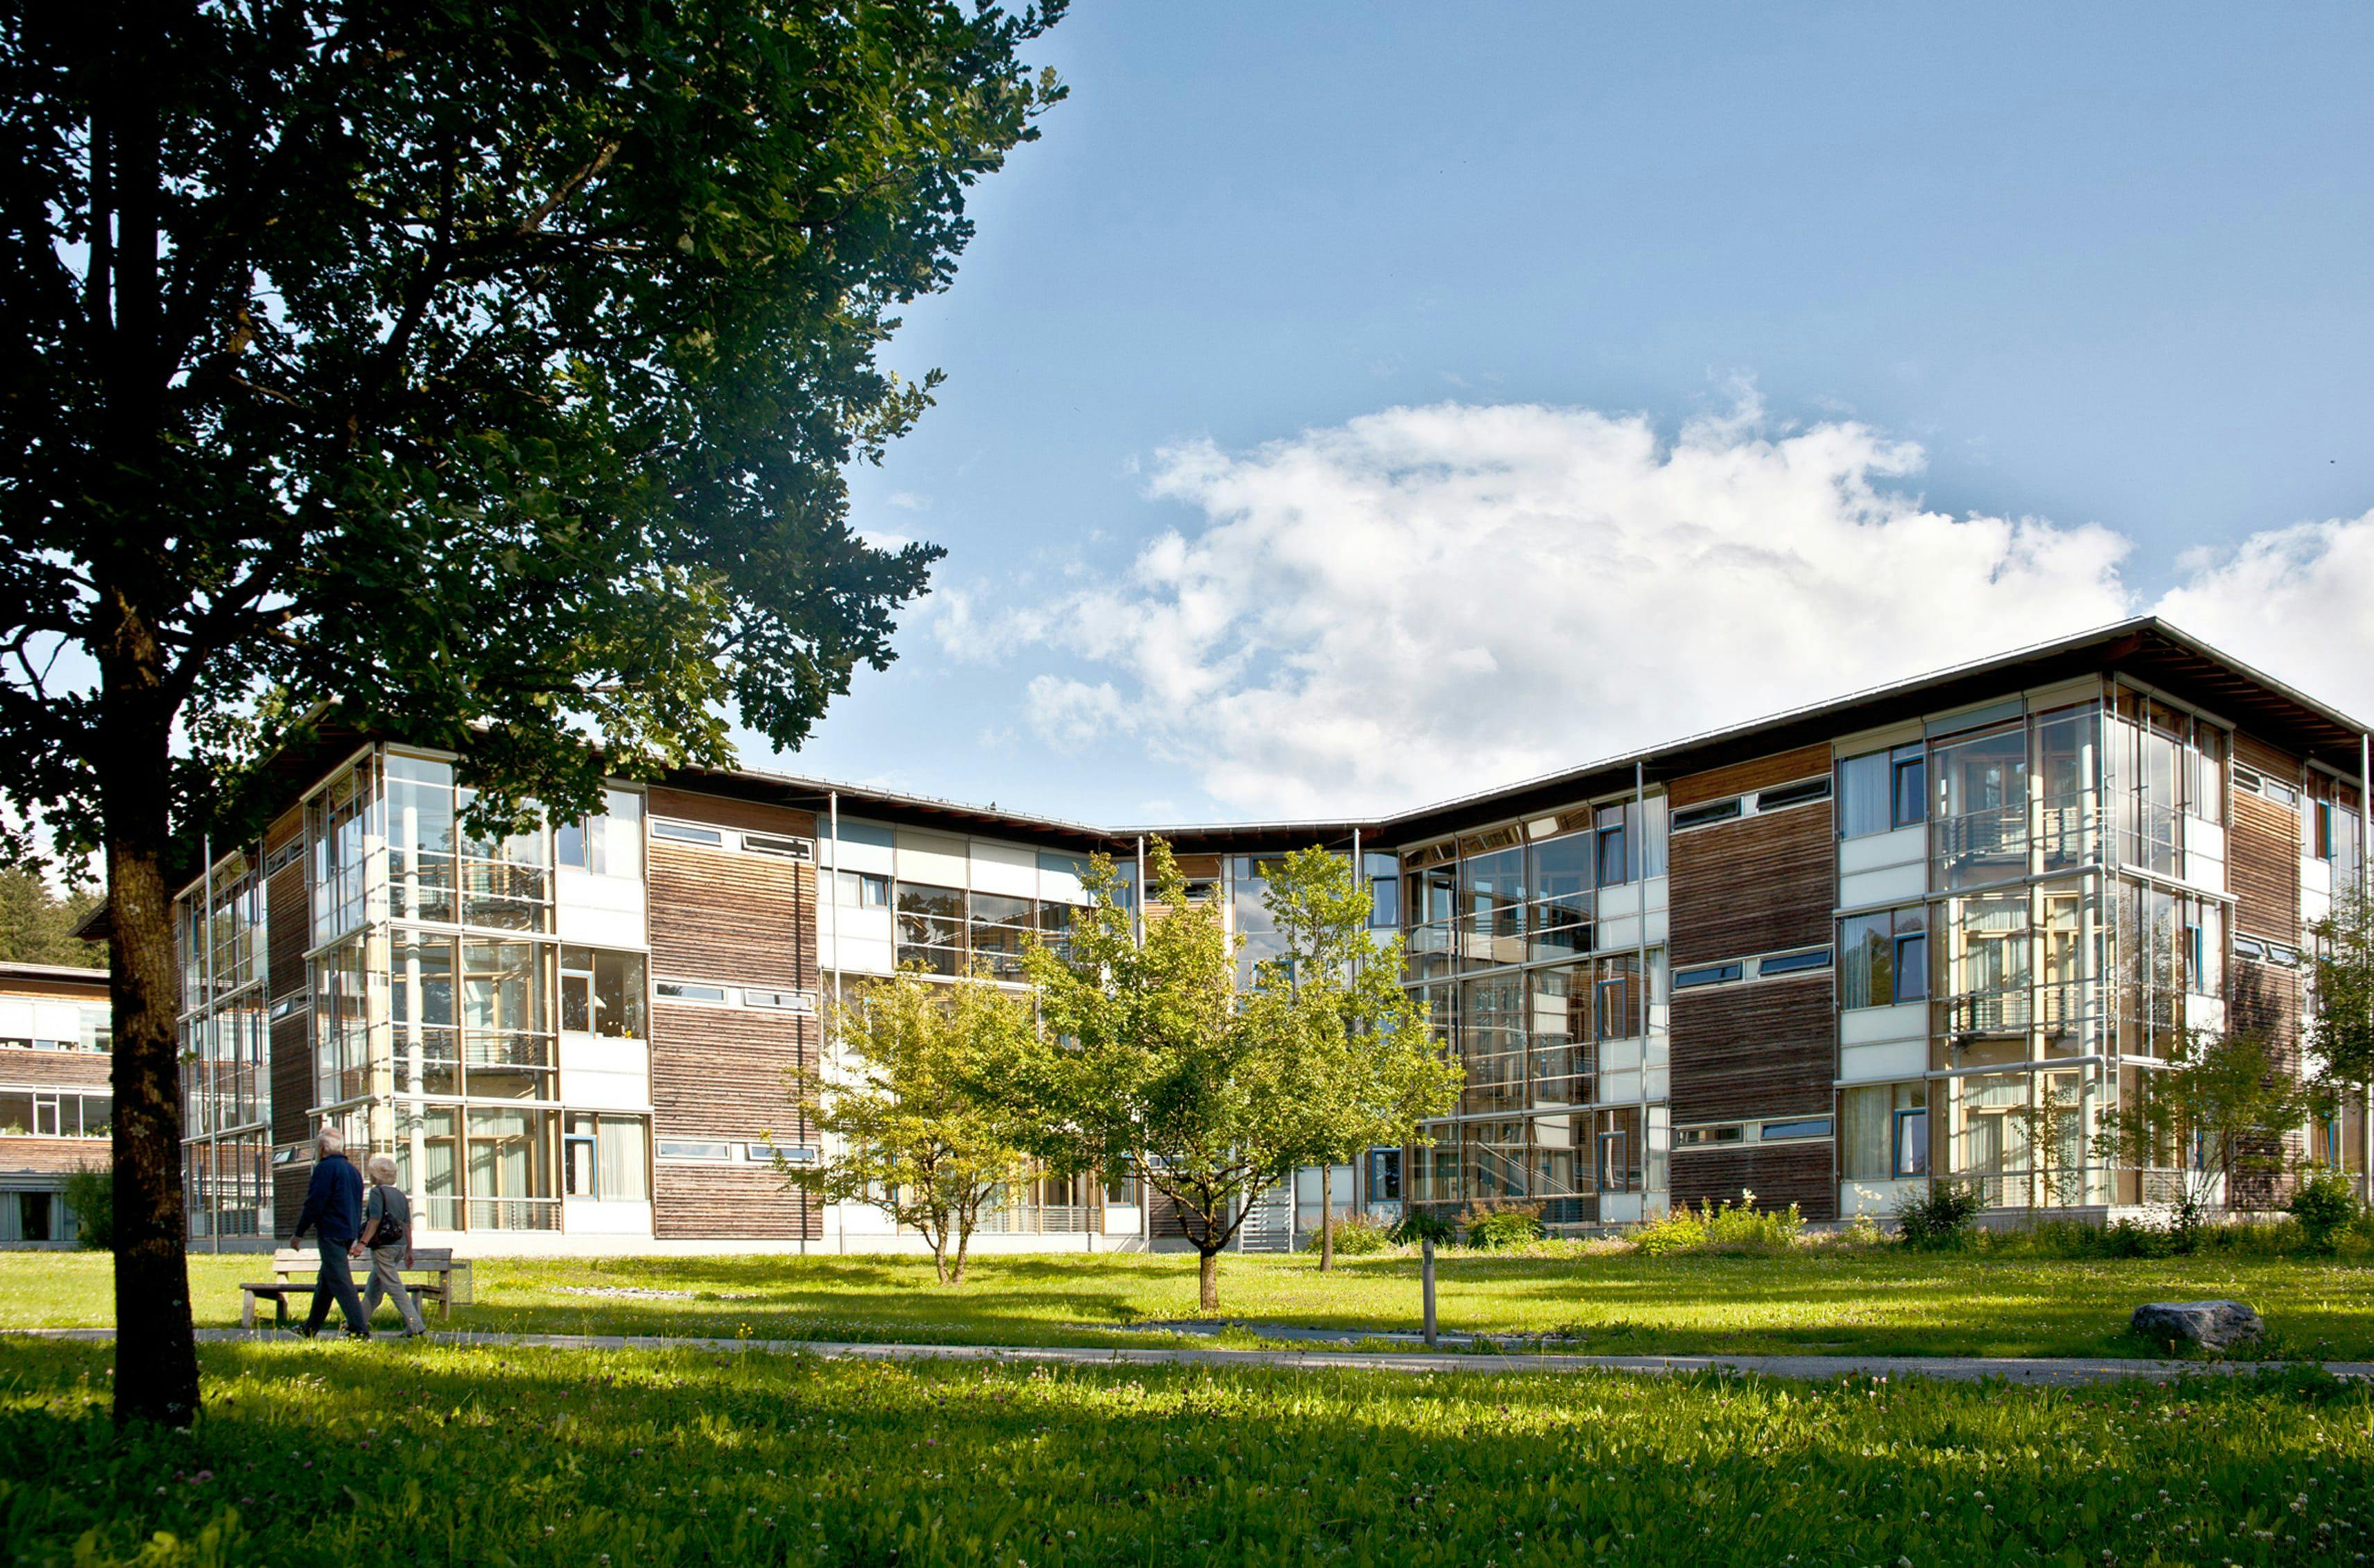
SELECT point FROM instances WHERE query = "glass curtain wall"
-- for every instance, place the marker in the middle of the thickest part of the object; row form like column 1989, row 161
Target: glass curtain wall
column 2063, row 941
column 436, row 987
column 1503, row 933
column 225, row 1072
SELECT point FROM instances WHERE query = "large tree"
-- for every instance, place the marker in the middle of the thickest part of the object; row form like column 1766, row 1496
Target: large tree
column 915, row 1107
column 1363, row 1070
column 486, row 367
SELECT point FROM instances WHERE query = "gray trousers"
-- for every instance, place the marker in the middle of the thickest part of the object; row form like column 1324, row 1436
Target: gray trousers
column 336, row 1282
column 387, row 1280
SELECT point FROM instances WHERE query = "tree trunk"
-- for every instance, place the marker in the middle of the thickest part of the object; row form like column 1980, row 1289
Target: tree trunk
column 1208, row 1281
column 939, row 1255
column 1327, row 1217
column 156, row 1352
column 964, row 1245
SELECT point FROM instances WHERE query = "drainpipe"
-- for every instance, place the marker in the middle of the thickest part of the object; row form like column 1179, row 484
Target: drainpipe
column 1637, row 847
column 214, row 1204
column 1326, row 1215
column 832, row 902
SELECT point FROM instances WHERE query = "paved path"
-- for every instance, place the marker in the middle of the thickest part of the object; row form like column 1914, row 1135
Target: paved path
column 2050, row 1372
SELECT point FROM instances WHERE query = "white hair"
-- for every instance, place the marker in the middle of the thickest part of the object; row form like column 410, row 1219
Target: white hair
column 329, row 1141
column 382, row 1168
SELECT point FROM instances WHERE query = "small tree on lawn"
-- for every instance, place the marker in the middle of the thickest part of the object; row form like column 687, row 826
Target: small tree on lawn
column 2217, row 1111
column 920, row 1130
column 2339, row 1034
column 1145, row 1057
column 1361, row 1068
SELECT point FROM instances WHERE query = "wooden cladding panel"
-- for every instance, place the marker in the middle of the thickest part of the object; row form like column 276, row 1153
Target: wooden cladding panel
column 720, row 1072
column 741, row 919
column 1779, row 1176
column 2272, row 760
column 736, row 1202
column 2265, row 999
column 287, row 930
column 1752, row 886
column 288, row 1184
column 53, row 1156
column 722, row 811
column 1781, row 766
column 286, row 826
column 292, row 1075
column 2262, row 855
column 1761, row 1050
column 56, row 1069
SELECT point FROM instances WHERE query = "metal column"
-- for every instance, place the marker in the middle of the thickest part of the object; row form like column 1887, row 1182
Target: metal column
column 1638, row 848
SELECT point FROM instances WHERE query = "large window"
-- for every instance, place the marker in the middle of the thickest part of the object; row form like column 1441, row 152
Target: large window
column 863, row 890
column 1614, row 845
column 1885, row 1132
column 607, row 1157
column 1492, row 1013
column 1981, row 836
column 1002, row 927
column 507, row 1033
column 1561, row 884
column 51, row 1113
column 1560, row 1066
column 1883, row 958
column 1881, row 791
column 602, row 992
column 931, row 927
column 1492, row 906
column 608, row 845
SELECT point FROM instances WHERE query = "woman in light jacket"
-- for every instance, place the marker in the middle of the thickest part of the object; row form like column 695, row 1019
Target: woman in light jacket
column 387, row 1236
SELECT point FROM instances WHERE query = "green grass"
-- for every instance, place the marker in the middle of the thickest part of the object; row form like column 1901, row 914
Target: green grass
column 1882, row 1301
column 313, row 1454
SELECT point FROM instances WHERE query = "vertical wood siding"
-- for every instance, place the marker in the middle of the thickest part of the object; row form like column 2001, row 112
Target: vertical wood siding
column 1779, row 1176
column 1761, row 1050
column 2263, row 869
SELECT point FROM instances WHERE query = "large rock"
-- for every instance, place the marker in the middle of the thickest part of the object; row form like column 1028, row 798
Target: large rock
column 2211, row 1324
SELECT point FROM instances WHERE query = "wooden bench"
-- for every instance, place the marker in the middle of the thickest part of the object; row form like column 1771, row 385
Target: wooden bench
column 288, row 1262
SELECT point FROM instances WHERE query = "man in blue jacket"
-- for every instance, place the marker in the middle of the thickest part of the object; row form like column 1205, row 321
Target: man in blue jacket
column 334, row 1211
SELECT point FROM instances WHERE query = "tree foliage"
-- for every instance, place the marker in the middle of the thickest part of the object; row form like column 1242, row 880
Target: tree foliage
column 37, row 925
column 916, row 1104
column 484, row 368
column 1145, row 1059
column 2339, row 1034
column 1363, row 1070
column 2218, row 1113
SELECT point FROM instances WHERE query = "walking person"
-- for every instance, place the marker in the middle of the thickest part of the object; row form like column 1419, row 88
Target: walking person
column 387, row 1236
column 332, row 1211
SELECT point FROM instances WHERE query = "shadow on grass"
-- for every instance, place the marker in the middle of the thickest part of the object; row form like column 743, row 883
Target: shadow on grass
column 670, row 1458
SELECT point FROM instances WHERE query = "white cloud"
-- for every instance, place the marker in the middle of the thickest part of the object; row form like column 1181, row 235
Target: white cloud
column 908, row 500
column 1430, row 600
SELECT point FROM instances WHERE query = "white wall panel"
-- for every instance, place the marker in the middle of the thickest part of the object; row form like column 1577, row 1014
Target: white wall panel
column 1004, row 869
column 932, row 857
column 1883, row 1064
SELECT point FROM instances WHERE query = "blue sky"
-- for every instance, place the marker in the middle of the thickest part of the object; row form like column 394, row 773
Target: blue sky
column 2069, row 296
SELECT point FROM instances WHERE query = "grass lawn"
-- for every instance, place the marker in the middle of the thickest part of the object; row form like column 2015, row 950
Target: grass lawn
column 1817, row 1301
column 339, row 1453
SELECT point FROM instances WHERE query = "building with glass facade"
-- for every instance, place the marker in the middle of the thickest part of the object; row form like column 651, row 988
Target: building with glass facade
column 1927, row 931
